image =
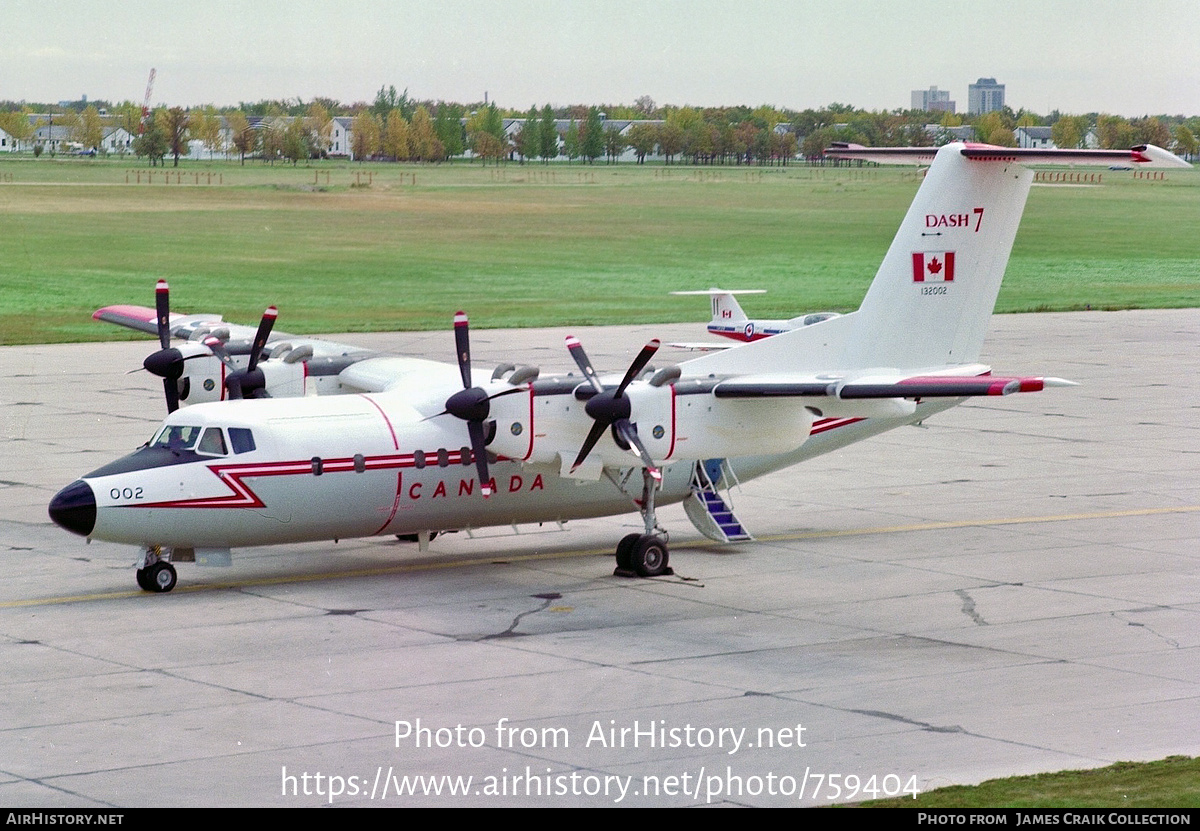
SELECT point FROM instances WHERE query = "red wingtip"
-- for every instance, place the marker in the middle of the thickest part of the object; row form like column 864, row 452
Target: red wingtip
column 161, row 285
column 572, row 341
column 460, row 318
column 271, row 312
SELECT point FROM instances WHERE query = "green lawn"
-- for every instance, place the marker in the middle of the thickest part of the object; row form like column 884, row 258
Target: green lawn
column 1173, row 782
column 530, row 245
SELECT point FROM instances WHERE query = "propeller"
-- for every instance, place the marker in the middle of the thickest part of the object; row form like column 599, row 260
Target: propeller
column 167, row 362
column 472, row 404
column 249, row 382
column 612, row 408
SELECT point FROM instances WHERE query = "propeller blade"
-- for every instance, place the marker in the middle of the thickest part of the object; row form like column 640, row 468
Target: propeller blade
column 479, row 450
column 593, row 436
column 581, row 360
column 171, row 388
column 162, row 308
column 217, row 346
column 261, row 336
column 462, row 343
column 639, row 363
column 629, row 433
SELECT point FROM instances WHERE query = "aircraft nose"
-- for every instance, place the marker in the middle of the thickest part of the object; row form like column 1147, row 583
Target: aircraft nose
column 74, row 508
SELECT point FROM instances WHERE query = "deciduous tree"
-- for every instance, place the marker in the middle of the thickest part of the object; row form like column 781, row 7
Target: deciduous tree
column 174, row 125
column 548, row 146
column 395, row 137
column 244, row 137
column 642, row 138
column 591, row 142
column 365, row 133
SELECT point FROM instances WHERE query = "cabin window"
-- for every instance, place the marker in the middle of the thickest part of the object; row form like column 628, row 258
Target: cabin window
column 175, row 437
column 443, row 457
column 419, row 459
column 212, row 442
column 241, row 439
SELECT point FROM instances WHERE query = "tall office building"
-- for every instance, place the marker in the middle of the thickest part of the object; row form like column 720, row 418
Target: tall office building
column 932, row 100
column 985, row 96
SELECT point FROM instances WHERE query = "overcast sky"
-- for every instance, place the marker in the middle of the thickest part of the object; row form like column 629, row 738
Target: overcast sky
column 1073, row 55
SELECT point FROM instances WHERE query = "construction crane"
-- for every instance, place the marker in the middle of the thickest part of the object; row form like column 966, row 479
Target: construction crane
column 146, row 103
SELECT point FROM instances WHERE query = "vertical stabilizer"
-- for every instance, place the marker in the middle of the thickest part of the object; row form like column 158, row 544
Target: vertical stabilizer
column 933, row 295
column 726, row 309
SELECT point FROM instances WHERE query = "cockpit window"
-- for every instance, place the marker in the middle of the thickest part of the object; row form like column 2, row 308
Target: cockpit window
column 241, row 439
column 177, row 438
column 212, row 442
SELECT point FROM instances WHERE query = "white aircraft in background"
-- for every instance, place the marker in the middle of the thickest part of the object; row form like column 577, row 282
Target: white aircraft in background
column 730, row 321
column 322, row 442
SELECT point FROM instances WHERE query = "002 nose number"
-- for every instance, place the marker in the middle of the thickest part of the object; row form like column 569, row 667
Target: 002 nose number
column 125, row 493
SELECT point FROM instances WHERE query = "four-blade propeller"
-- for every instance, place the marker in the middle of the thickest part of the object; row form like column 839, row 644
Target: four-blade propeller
column 473, row 404
column 612, row 408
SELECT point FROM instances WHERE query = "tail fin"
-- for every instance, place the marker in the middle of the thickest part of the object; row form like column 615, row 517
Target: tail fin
column 725, row 308
column 933, row 295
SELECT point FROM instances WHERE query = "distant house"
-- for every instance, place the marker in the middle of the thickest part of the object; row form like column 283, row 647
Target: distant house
column 54, row 139
column 1038, row 138
column 7, row 143
column 117, row 140
column 340, row 135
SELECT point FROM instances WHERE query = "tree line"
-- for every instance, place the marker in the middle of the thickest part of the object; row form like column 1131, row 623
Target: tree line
column 396, row 127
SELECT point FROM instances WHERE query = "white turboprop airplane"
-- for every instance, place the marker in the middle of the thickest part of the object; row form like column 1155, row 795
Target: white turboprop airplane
column 412, row 447
column 730, row 321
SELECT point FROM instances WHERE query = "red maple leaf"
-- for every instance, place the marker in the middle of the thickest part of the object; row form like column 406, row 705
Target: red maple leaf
column 934, row 266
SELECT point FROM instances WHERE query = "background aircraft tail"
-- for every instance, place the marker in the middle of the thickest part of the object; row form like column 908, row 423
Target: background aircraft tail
column 725, row 308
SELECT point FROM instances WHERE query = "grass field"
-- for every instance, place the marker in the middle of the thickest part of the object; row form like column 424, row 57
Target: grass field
column 1173, row 782
column 344, row 247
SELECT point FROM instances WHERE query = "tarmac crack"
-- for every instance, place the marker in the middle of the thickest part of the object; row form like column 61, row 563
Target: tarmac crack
column 511, row 631
column 1174, row 644
column 968, row 608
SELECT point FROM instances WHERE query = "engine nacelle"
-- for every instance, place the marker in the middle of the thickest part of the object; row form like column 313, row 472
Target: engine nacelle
column 672, row 427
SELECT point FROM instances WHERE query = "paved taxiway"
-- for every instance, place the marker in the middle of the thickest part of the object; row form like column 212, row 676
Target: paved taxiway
column 1014, row 588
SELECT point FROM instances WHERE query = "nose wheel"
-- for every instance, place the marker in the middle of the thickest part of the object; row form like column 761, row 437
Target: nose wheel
column 157, row 576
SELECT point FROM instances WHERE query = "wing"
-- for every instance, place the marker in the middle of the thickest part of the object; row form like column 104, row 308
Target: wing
column 196, row 327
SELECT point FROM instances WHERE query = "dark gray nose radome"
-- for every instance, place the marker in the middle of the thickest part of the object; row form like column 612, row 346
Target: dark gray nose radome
column 74, row 508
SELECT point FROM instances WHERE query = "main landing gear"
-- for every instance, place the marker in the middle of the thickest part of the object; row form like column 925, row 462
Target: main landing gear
column 645, row 555
column 155, row 574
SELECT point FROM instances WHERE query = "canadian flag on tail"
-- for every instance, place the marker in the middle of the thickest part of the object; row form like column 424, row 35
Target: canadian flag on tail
column 933, row 267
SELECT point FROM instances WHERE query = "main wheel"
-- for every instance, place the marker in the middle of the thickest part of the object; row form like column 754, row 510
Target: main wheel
column 649, row 556
column 143, row 580
column 160, row 577
column 625, row 551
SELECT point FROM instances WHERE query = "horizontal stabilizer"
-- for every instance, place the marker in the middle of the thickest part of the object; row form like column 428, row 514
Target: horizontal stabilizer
column 924, row 386
column 1144, row 155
